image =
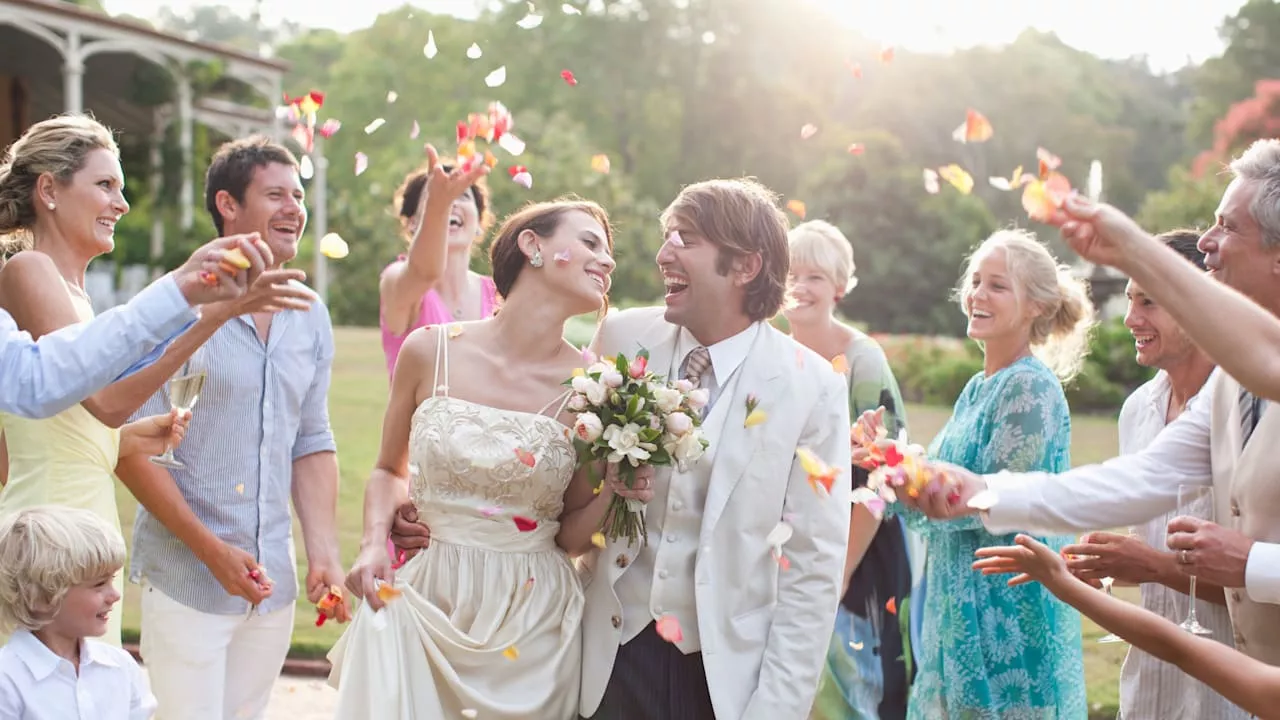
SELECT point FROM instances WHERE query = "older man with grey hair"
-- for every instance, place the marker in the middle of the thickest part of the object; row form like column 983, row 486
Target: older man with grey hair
column 1228, row 438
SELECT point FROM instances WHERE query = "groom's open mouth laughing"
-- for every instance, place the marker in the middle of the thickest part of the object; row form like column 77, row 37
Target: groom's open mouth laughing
column 676, row 285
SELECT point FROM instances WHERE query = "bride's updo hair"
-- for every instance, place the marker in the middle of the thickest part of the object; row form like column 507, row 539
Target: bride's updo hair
column 59, row 146
column 1060, row 333
column 505, row 255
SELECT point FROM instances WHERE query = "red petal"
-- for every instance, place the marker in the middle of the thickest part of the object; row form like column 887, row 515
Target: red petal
column 568, row 77
column 524, row 524
column 317, row 97
column 892, row 457
column 526, row 457
column 463, row 132
column 892, row 606
column 515, row 170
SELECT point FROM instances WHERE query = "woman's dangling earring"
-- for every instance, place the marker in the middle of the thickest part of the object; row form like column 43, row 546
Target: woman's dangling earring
column 536, row 260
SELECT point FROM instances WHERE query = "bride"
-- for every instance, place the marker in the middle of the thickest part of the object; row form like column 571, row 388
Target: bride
column 484, row 622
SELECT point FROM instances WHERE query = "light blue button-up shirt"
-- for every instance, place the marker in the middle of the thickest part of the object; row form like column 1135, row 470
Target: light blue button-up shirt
column 41, row 379
column 263, row 406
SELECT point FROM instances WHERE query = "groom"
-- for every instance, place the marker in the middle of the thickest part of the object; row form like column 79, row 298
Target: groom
column 753, row 630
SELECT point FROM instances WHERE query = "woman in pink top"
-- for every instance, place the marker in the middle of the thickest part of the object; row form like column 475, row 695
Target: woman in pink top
column 444, row 212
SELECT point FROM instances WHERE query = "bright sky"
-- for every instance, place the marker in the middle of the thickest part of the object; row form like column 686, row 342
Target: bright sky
column 1169, row 32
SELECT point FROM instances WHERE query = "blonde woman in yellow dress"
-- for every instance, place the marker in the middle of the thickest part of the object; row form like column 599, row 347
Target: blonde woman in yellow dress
column 61, row 194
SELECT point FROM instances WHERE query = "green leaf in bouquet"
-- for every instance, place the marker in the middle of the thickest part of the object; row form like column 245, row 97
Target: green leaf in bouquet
column 650, row 435
column 633, row 406
column 621, row 363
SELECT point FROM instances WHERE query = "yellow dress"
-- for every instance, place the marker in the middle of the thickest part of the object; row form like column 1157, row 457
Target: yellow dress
column 68, row 459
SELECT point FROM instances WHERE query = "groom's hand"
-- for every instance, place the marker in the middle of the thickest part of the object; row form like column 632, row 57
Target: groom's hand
column 407, row 533
column 641, row 485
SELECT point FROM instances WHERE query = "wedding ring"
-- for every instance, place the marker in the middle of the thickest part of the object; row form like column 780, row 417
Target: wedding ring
column 1182, row 557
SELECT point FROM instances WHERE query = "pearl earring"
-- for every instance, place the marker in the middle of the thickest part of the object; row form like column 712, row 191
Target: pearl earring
column 536, row 260
column 52, row 206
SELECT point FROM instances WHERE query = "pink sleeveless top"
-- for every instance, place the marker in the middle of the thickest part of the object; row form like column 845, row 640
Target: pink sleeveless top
column 432, row 312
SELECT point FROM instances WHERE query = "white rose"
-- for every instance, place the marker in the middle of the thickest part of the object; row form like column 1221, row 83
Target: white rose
column 593, row 390
column 699, row 398
column 684, row 386
column 588, row 427
column 678, row 423
column 611, row 378
column 684, row 449
column 668, row 399
column 577, row 403
column 626, row 445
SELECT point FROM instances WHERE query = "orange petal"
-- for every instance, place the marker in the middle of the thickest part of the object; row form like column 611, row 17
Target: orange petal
column 526, row 457
column 387, row 593
column 840, row 364
column 668, row 628
column 958, row 177
column 797, row 207
column 892, row 606
column 1048, row 161
column 490, row 159
column 600, row 163
column 511, row 653
column 976, row 127
column 1040, row 198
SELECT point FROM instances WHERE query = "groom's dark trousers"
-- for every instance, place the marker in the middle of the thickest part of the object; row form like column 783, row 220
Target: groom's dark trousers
column 653, row 680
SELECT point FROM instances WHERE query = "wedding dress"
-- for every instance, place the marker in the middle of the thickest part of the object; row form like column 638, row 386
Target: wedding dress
column 488, row 622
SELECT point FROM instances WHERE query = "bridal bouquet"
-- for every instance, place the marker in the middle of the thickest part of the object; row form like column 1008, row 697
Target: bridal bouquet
column 629, row 416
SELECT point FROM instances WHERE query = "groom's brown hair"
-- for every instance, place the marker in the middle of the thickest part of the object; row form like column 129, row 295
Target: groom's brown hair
column 740, row 217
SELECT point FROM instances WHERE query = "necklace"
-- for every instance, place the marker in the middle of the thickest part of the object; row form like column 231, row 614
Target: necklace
column 457, row 313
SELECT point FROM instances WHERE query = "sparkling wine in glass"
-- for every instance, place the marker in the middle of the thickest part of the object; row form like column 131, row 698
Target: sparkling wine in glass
column 184, row 391
column 1195, row 501
column 1109, row 637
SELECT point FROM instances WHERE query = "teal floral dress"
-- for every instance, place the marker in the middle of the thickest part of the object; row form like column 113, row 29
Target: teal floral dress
column 988, row 651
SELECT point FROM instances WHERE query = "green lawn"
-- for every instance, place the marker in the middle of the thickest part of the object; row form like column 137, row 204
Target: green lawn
column 356, row 403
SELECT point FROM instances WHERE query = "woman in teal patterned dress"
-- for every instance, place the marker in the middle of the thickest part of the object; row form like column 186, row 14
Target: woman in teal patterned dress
column 990, row 651
column 869, row 663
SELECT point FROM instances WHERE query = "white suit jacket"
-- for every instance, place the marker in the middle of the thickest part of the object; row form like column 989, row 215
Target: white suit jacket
column 764, row 631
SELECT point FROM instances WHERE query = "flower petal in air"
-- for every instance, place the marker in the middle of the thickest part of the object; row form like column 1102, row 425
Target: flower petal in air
column 413, row 134
column 600, row 163
column 975, row 128
column 797, row 207
column 958, row 177
column 931, row 181
column 529, row 22
column 856, row 149
column 568, row 9
column 474, row 52
column 1041, row 197
column 430, row 49
column 886, row 55
column 511, row 143
column 329, row 127
column 668, row 628
column 333, row 246
column 372, row 127
column 496, row 78
column 568, row 77
column 1048, row 160
column 840, row 364
column 808, row 131
column 362, row 163
column 523, row 179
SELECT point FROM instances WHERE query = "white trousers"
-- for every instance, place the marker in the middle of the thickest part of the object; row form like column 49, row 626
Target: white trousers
column 211, row 667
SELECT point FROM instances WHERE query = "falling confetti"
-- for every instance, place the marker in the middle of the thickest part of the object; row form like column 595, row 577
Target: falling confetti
column 474, row 52
column 511, row 144
column 430, row 48
column 529, row 22
column 808, row 131
column 524, row 524
column 821, row 475
column 413, row 134
column 305, row 168
column 372, row 127
column 511, row 653
column 598, row 540
column 958, row 178
column 1015, row 180
column 329, row 127
column 497, row 77
column 1094, row 186
column 857, row 149
column 392, row 95
column 840, row 364
column 975, row 128
column 568, row 77
column 931, row 181
column 526, row 457
column 333, row 246
column 797, row 207
column 568, row 9
column 563, row 257
column 362, row 163
column 523, row 179
column 600, row 163
column 1041, row 197
column 668, row 628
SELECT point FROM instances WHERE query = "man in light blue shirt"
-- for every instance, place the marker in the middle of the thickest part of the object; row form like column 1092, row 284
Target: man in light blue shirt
column 40, row 378
column 213, row 541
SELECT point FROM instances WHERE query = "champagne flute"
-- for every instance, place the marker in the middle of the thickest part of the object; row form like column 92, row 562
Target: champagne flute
column 1195, row 501
column 1107, row 584
column 184, row 391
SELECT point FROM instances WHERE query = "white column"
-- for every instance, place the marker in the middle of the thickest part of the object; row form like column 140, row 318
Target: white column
column 73, row 75
column 157, row 179
column 320, row 217
column 186, row 197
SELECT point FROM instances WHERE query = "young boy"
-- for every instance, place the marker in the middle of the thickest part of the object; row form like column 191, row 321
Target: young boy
column 56, row 566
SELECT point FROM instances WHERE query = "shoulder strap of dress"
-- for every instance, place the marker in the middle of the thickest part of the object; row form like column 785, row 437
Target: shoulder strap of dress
column 562, row 398
column 442, row 359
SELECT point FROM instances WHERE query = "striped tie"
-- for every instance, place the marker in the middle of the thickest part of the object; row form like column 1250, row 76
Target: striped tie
column 695, row 364
column 1250, row 408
